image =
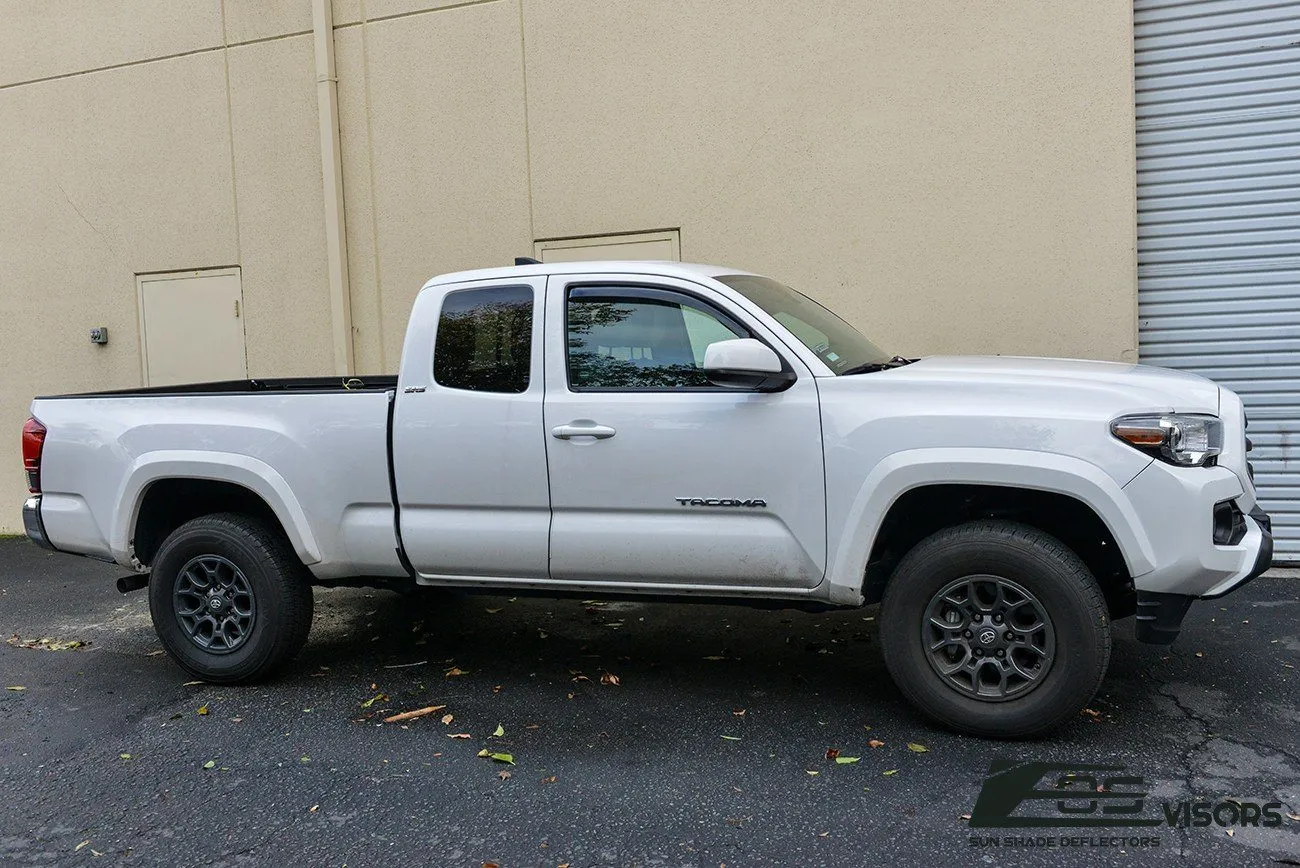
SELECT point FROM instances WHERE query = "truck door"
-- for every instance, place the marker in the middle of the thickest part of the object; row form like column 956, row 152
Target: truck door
column 468, row 453
column 658, row 477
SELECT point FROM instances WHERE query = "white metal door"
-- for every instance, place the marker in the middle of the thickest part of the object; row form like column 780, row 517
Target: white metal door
column 468, row 454
column 191, row 327
column 1218, row 134
column 688, row 486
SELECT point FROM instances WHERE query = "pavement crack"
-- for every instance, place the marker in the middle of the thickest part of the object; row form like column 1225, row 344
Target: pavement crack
column 1185, row 756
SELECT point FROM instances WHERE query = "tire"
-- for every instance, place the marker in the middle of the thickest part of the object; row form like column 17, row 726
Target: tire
column 1015, row 561
column 265, row 612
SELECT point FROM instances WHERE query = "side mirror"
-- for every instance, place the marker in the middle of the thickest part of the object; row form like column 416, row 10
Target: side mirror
column 744, row 363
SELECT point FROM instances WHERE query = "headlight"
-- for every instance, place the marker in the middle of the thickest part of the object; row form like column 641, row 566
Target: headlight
column 1179, row 438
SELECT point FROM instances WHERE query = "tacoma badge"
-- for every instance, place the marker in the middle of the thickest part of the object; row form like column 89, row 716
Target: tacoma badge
column 758, row 502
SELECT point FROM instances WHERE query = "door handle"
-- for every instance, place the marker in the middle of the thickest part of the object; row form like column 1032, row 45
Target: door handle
column 582, row 428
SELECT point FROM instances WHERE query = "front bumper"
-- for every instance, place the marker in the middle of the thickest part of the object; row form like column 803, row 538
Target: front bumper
column 1160, row 614
column 33, row 525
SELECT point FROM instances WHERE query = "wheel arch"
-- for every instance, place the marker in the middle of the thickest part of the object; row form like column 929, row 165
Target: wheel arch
column 1011, row 483
column 167, row 491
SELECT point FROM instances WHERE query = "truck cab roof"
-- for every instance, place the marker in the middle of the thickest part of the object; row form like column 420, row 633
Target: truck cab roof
column 655, row 268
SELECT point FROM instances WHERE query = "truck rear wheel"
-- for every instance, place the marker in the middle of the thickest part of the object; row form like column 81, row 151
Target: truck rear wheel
column 996, row 629
column 229, row 599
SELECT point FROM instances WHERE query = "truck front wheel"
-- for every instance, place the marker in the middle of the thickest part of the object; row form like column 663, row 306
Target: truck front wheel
column 229, row 599
column 996, row 629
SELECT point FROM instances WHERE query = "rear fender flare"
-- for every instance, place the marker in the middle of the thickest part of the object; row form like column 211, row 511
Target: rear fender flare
column 242, row 470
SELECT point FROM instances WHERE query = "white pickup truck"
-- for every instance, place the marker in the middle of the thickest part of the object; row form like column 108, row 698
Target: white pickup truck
column 686, row 432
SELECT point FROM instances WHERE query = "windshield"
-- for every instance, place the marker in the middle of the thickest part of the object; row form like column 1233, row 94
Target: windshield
column 835, row 342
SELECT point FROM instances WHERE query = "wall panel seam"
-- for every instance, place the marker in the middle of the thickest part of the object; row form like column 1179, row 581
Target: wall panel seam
column 129, row 63
column 364, row 20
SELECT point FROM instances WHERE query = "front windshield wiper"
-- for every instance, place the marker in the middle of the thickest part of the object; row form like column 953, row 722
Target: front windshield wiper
column 872, row 367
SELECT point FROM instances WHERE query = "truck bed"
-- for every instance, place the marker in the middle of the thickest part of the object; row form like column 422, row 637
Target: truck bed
column 314, row 449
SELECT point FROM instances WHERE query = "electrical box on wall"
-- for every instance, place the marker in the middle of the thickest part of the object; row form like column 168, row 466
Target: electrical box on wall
column 99, row 335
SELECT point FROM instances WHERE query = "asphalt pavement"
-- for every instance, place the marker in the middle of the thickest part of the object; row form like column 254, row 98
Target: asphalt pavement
column 641, row 734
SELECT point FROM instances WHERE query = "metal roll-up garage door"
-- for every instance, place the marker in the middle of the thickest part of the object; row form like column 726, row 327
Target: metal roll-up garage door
column 1218, row 159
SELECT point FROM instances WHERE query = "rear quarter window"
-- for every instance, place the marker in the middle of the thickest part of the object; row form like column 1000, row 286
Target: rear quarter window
column 484, row 340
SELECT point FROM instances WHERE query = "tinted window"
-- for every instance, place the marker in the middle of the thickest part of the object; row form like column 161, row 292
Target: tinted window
column 485, row 339
column 648, row 339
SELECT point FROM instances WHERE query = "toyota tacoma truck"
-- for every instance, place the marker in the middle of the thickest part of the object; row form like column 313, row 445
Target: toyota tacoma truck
column 685, row 432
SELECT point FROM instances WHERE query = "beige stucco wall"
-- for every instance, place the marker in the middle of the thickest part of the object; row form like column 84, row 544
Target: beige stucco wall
column 951, row 180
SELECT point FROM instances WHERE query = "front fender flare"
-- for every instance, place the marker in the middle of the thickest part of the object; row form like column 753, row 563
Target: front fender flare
column 903, row 471
column 257, row 476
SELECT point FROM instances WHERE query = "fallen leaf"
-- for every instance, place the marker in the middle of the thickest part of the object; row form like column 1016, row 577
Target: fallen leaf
column 236, row 720
column 191, row 683
column 203, row 709
column 732, row 737
column 411, row 715
column 95, row 852
column 739, row 712
column 845, row 760
column 1230, row 832
column 45, row 643
column 1295, row 817
column 917, row 748
column 813, row 773
column 875, row 742
column 542, row 634
column 549, row 780
column 124, row 756
column 459, row 735
column 832, row 752
column 154, row 653
column 499, row 731
column 307, row 759
column 491, row 865
column 79, row 846
column 499, row 757
column 1200, row 653
column 715, row 657
column 455, row 670
column 504, row 775
column 210, row 764
column 378, row 697
column 313, row 809
column 16, row 688
column 447, row 718
column 963, row 816
column 609, row 678
column 891, row 772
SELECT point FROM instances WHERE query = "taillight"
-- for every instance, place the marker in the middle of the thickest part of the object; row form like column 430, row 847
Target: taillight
column 33, row 443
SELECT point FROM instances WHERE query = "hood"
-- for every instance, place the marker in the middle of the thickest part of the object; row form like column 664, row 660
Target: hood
column 1142, row 387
